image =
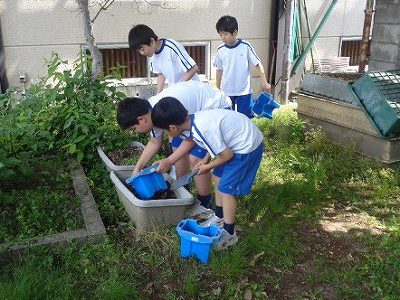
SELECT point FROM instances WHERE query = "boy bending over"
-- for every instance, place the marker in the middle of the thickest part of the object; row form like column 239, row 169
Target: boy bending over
column 235, row 144
column 135, row 113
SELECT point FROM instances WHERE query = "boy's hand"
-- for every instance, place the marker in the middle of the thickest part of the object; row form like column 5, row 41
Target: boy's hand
column 266, row 86
column 164, row 165
column 204, row 168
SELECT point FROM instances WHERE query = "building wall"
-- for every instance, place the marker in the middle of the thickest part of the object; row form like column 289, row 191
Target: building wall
column 385, row 45
column 32, row 29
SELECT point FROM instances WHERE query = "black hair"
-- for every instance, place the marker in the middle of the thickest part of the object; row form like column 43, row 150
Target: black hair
column 141, row 35
column 129, row 109
column 168, row 111
column 227, row 23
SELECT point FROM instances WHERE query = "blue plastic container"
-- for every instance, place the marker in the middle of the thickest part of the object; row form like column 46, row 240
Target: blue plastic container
column 148, row 182
column 264, row 105
column 196, row 241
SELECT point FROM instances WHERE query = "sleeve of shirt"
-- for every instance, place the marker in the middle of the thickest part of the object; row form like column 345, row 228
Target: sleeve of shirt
column 218, row 62
column 253, row 57
column 157, row 132
column 153, row 66
column 181, row 55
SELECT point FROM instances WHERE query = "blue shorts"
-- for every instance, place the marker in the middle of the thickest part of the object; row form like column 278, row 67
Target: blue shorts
column 196, row 151
column 242, row 104
column 238, row 174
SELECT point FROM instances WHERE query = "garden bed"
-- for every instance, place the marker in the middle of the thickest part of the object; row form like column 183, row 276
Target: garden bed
column 54, row 205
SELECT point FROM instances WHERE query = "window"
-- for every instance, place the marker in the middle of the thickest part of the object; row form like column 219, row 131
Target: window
column 351, row 48
column 134, row 65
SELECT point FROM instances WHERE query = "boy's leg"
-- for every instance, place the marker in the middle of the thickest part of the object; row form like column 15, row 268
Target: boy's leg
column 182, row 166
column 203, row 181
column 229, row 236
column 201, row 209
column 218, row 219
column 244, row 105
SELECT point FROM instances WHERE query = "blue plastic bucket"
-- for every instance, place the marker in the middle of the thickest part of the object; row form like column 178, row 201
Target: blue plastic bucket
column 264, row 105
column 196, row 241
column 148, row 182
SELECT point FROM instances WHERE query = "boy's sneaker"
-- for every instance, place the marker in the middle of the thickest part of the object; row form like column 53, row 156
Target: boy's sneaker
column 213, row 221
column 199, row 212
column 226, row 240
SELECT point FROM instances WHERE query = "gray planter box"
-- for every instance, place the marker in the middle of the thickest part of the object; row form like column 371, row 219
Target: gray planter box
column 110, row 165
column 149, row 213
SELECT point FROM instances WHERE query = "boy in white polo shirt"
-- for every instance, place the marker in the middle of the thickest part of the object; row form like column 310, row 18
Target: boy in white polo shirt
column 135, row 113
column 233, row 62
column 169, row 59
column 235, row 143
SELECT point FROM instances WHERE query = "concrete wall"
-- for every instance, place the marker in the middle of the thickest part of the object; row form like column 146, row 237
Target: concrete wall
column 346, row 21
column 385, row 45
column 32, row 29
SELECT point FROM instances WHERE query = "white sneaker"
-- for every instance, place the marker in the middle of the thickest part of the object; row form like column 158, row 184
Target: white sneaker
column 226, row 240
column 199, row 212
column 213, row 221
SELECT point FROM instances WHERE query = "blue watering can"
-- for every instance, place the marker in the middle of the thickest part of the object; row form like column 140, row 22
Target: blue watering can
column 264, row 105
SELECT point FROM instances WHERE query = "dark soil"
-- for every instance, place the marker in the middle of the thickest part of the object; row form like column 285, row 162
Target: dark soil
column 118, row 156
column 343, row 76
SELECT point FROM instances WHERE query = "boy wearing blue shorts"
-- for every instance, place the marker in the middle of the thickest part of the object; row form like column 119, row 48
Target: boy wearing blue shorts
column 233, row 62
column 168, row 58
column 233, row 142
column 135, row 113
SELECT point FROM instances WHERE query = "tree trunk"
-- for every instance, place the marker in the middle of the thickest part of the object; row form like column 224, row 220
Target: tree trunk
column 97, row 58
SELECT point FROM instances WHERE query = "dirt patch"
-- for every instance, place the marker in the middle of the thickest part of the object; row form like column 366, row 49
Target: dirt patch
column 343, row 76
column 334, row 241
column 120, row 156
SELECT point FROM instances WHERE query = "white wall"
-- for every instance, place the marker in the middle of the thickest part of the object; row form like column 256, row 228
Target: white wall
column 32, row 29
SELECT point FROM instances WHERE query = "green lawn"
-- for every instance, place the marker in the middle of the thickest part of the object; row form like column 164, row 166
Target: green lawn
column 322, row 222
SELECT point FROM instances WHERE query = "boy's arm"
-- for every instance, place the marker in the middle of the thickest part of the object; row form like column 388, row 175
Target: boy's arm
column 149, row 151
column 218, row 78
column 165, row 164
column 264, row 83
column 190, row 73
column 160, row 82
column 222, row 158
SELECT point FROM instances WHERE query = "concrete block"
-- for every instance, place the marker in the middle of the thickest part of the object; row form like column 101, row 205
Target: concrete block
column 335, row 112
column 387, row 12
column 376, row 65
column 384, row 52
column 386, row 151
column 387, row 33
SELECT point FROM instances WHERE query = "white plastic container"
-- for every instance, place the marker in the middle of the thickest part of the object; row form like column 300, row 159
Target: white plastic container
column 149, row 213
column 110, row 165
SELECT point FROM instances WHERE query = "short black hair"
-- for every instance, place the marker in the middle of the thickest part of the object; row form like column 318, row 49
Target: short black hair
column 129, row 109
column 141, row 35
column 227, row 23
column 168, row 111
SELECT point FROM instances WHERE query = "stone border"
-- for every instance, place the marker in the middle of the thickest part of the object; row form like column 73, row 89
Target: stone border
column 94, row 230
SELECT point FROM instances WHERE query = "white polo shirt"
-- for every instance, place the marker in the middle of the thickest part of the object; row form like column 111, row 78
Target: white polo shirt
column 218, row 129
column 235, row 62
column 195, row 96
column 173, row 61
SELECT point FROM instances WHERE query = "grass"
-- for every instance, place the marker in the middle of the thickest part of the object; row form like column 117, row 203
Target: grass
column 321, row 222
column 43, row 203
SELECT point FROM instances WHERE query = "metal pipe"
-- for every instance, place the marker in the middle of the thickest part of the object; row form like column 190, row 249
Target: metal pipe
column 286, row 50
column 365, row 38
column 302, row 57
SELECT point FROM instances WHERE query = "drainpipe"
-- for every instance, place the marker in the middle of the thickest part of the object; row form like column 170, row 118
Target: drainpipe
column 3, row 73
column 286, row 50
column 300, row 60
column 365, row 38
